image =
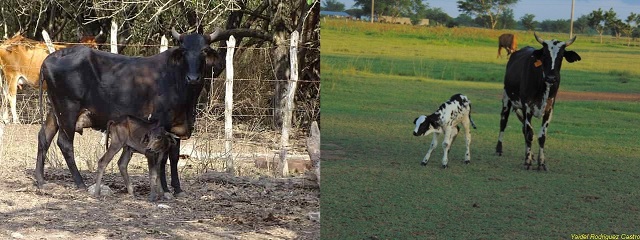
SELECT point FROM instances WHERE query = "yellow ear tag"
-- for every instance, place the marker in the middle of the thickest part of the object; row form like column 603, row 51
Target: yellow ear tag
column 537, row 63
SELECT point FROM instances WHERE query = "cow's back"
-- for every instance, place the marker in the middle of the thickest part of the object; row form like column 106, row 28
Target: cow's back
column 110, row 85
column 518, row 70
column 23, row 58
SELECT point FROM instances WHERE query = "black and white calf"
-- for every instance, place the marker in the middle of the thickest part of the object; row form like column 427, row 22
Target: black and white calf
column 445, row 120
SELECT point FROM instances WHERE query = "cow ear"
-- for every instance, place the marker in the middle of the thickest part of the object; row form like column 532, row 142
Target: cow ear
column 415, row 120
column 571, row 56
column 537, row 54
column 176, row 56
column 433, row 120
column 145, row 139
column 211, row 56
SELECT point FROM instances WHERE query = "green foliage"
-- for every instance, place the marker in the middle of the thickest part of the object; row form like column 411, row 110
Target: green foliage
column 395, row 8
column 332, row 5
column 489, row 10
column 527, row 22
column 559, row 25
column 506, row 19
column 437, row 17
column 376, row 83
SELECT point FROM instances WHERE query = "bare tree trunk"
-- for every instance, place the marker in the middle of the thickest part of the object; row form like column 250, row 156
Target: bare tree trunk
column 281, row 61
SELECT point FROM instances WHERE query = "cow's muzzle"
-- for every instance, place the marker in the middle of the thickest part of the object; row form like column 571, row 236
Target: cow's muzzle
column 551, row 79
column 416, row 134
column 193, row 78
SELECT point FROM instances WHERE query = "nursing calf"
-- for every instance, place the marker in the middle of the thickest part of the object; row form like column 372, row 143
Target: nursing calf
column 139, row 136
column 445, row 120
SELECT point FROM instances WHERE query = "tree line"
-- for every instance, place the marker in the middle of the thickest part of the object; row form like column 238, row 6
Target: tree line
column 494, row 14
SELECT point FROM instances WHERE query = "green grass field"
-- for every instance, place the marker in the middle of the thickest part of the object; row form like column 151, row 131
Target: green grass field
column 376, row 80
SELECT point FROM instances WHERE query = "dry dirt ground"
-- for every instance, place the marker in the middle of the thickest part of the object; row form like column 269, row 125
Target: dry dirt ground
column 216, row 207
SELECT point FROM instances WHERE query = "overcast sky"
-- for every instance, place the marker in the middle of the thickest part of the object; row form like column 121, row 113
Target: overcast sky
column 545, row 9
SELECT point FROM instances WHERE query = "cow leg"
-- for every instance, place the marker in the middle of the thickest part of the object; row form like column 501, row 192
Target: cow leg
column 66, row 134
column 45, row 136
column 546, row 119
column 527, row 131
column 449, row 134
column 123, row 163
column 467, row 138
column 5, row 93
column 13, row 93
column 434, row 144
column 174, row 156
column 162, row 174
column 152, row 162
column 504, row 118
column 65, row 143
column 115, row 146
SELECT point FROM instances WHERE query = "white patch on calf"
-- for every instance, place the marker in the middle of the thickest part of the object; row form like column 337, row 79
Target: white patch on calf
column 419, row 122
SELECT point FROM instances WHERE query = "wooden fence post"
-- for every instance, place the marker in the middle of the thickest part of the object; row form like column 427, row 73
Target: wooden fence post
column 288, row 111
column 114, row 37
column 47, row 41
column 228, row 105
column 164, row 44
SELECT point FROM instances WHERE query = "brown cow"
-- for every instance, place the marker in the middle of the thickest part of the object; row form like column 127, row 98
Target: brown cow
column 20, row 61
column 507, row 41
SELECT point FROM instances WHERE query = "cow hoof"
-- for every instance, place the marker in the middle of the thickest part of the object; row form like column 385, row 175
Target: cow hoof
column 103, row 190
column 167, row 196
column 499, row 153
column 153, row 197
column 445, row 166
column 467, row 161
column 527, row 166
column 542, row 167
column 180, row 195
column 46, row 186
column 423, row 163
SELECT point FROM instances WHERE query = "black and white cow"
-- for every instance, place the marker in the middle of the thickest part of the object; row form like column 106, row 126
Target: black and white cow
column 445, row 120
column 531, row 83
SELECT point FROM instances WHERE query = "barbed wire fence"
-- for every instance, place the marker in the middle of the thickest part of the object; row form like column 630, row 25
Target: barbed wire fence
column 234, row 115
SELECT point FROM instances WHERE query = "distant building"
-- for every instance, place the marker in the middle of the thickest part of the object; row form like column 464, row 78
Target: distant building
column 335, row 14
column 396, row 20
column 401, row 20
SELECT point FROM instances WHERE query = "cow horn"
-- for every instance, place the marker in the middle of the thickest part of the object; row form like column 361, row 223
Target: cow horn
column 99, row 34
column 540, row 40
column 567, row 43
column 175, row 34
column 214, row 35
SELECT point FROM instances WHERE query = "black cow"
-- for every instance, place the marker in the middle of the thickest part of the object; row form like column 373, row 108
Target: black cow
column 531, row 83
column 507, row 41
column 163, row 87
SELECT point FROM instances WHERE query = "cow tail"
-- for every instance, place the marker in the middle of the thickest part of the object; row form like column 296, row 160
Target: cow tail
column 106, row 140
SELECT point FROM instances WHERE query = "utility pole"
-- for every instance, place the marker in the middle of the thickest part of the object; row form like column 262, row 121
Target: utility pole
column 372, row 2
column 573, row 2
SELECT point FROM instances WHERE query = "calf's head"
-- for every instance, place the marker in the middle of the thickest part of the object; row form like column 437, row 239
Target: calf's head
column 550, row 57
column 194, row 54
column 425, row 125
column 158, row 140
